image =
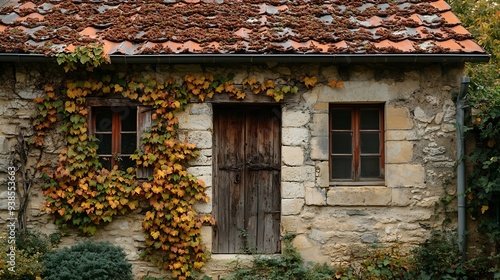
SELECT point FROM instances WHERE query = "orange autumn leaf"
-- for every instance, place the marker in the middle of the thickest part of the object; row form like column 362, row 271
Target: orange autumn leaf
column 310, row 81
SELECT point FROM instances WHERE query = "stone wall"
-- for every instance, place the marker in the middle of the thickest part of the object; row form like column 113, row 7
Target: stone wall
column 330, row 221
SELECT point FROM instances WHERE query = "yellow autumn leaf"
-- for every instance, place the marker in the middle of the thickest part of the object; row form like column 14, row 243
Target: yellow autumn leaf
column 156, row 189
column 49, row 87
column 197, row 265
column 484, row 208
column 61, row 211
column 82, row 137
column 137, row 190
column 310, row 81
column 240, row 95
column 155, row 234
column 118, row 88
column 149, row 216
column 123, row 201
column 70, row 106
column 267, row 84
column 177, row 265
column 219, row 88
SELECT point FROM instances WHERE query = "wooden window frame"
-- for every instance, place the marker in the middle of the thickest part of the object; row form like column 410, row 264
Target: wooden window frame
column 144, row 123
column 356, row 148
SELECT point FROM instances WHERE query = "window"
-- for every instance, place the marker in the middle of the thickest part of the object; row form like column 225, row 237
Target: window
column 118, row 129
column 356, row 142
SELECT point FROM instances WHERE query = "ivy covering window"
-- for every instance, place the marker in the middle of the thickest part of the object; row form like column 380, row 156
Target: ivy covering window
column 118, row 129
column 356, row 142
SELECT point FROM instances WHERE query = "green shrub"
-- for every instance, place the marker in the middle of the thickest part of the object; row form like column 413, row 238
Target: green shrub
column 88, row 261
column 33, row 241
column 287, row 266
column 439, row 258
column 24, row 266
column 385, row 263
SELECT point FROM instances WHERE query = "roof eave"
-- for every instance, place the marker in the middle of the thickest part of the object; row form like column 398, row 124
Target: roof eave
column 264, row 58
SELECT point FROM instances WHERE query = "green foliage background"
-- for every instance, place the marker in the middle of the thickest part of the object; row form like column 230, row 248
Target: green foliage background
column 482, row 19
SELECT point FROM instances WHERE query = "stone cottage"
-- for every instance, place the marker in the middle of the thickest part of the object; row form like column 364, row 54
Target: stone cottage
column 350, row 141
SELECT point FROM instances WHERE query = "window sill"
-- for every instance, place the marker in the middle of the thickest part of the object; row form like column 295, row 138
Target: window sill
column 357, row 183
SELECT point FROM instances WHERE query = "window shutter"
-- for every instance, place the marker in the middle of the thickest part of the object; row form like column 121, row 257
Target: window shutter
column 144, row 123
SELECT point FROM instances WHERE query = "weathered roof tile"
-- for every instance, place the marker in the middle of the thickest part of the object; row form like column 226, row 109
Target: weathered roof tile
column 221, row 26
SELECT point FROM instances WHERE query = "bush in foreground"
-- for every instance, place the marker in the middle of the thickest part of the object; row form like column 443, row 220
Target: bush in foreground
column 88, row 261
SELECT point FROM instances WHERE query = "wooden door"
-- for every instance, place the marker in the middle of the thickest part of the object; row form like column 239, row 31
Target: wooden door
column 246, row 191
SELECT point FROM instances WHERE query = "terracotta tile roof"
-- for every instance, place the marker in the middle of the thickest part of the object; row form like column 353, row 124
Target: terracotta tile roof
column 235, row 27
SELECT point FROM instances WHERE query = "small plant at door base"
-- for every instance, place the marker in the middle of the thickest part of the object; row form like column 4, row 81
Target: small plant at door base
column 88, row 260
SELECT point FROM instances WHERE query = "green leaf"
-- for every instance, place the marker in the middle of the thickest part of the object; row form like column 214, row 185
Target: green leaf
column 107, row 219
column 91, row 230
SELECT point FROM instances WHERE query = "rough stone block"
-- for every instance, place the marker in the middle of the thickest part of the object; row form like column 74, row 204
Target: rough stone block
column 194, row 122
column 204, row 208
column 397, row 175
column 204, row 158
column 420, row 115
column 309, row 250
column 292, row 155
column 448, row 127
column 319, row 148
column 200, row 170
column 10, row 129
column 401, row 196
column 295, row 118
column 396, row 135
column 398, row 151
column 292, row 190
column 360, row 91
column 291, row 206
column 320, row 125
column 4, row 145
column 315, row 196
column 359, row 196
column 323, row 174
column 398, row 118
column 206, row 237
column 201, row 109
column 293, row 224
column 298, row 174
column 321, row 107
column 202, row 139
column 294, row 136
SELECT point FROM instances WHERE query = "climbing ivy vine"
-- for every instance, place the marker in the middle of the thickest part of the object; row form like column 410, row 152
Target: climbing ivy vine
column 81, row 193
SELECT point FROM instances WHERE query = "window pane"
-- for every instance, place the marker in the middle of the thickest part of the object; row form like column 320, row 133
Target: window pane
column 128, row 116
column 103, row 117
column 369, row 119
column 341, row 167
column 104, row 144
column 370, row 142
column 341, row 143
column 125, row 162
column 370, row 167
column 341, row 119
column 128, row 145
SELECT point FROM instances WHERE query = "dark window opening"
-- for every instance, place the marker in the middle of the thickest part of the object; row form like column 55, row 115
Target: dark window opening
column 356, row 142
column 116, row 130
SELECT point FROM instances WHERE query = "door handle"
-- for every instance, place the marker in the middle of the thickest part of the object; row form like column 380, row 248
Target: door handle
column 237, row 179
